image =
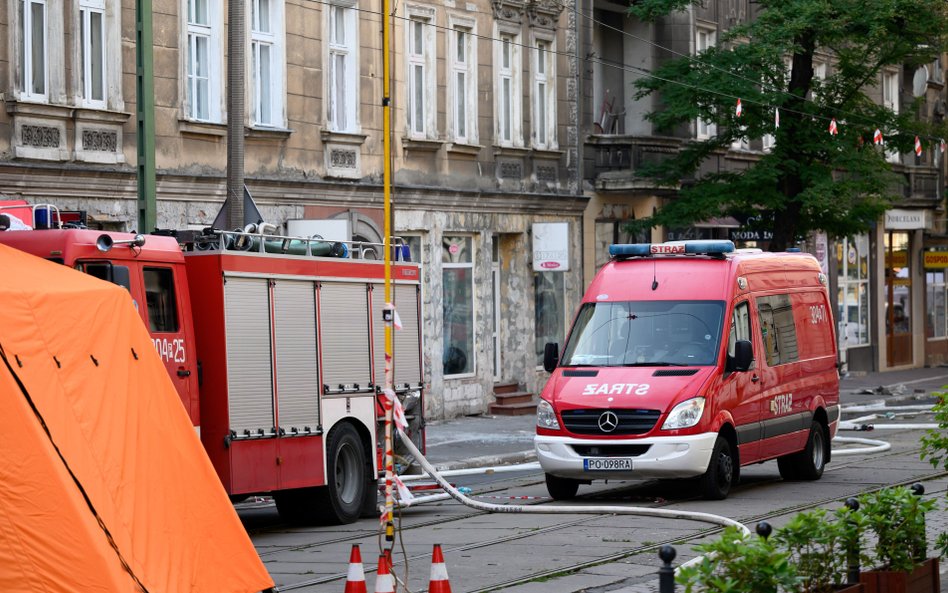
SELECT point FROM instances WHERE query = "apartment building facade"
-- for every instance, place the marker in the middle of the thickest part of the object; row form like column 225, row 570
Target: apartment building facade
column 484, row 156
column 888, row 284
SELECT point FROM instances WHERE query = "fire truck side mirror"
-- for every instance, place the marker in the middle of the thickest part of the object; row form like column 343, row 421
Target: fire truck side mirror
column 551, row 356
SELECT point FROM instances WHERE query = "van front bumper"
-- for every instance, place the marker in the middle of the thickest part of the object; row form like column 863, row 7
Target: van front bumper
column 666, row 457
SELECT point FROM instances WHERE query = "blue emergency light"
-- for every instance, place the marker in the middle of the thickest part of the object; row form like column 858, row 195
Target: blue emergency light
column 622, row 250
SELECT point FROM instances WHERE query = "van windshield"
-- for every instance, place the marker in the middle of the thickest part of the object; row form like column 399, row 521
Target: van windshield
column 646, row 333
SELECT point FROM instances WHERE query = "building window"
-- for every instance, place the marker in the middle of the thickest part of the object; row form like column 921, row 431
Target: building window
column 266, row 62
column 507, row 63
column 32, row 48
column 549, row 310
column 457, row 262
column 343, row 69
column 705, row 39
column 463, row 84
column 890, row 100
column 852, row 265
column 935, row 322
column 544, row 95
column 421, row 68
column 203, row 92
column 92, row 52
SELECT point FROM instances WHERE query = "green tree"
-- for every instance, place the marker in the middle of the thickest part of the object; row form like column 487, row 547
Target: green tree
column 810, row 180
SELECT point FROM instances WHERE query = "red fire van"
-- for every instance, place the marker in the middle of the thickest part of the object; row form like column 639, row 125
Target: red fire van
column 692, row 359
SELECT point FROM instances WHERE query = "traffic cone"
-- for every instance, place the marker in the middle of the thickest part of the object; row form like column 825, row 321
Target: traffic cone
column 439, row 573
column 355, row 580
column 384, row 583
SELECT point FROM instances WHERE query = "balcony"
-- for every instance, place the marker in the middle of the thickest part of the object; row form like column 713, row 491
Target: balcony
column 616, row 157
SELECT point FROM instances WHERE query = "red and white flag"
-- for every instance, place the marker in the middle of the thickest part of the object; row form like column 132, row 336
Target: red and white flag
column 941, row 146
column 738, row 110
column 918, row 147
column 833, row 129
column 776, row 118
column 398, row 412
column 404, row 494
column 877, row 136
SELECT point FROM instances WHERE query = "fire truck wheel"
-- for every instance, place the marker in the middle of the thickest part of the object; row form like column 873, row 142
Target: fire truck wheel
column 341, row 500
column 561, row 488
column 809, row 463
column 347, row 476
column 722, row 471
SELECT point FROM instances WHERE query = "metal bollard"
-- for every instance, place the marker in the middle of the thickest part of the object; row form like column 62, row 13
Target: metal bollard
column 852, row 549
column 666, row 574
column 764, row 529
column 918, row 490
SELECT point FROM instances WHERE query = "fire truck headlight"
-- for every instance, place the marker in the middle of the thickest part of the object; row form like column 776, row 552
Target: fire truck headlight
column 685, row 415
column 546, row 416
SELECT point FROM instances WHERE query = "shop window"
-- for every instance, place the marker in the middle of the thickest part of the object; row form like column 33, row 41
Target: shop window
column 549, row 310
column 457, row 260
column 935, row 322
column 852, row 264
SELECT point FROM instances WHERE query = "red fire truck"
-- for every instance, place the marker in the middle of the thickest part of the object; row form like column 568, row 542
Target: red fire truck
column 275, row 344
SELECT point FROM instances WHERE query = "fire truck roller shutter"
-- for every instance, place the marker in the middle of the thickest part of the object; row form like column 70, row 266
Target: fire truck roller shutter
column 344, row 313
column 249, row 385
column 378, row 333
column 407, row 360
column 294, row 313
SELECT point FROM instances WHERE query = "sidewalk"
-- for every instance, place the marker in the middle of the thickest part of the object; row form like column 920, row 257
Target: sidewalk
column 478, row 441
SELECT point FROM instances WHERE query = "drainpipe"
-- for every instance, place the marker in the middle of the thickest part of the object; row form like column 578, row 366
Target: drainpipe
column 236, row 49
column 145, row 116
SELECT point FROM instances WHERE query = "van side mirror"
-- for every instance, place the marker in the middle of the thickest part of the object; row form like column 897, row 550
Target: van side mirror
column 551, row 356
column 743, row 356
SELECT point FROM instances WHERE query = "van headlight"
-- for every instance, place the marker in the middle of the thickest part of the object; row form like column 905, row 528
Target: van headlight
column 546, row 416
column 685, row 415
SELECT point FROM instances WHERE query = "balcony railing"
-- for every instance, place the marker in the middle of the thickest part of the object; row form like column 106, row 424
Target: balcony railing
column 616, row 157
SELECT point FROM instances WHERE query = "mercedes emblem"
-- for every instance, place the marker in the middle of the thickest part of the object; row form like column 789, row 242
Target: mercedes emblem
column 608, row 421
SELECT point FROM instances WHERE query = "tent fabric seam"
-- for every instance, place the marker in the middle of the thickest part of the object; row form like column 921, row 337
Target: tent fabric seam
column 69, row 470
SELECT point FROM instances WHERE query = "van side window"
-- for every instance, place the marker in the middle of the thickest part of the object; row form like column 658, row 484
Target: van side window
column 160, row 297
column 740, row 326
column 778, row 332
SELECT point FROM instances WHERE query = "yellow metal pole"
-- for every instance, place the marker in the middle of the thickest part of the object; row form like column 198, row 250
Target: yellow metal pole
column 387, row 250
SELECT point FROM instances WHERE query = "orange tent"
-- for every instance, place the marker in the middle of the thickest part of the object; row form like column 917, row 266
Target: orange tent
column 104, row 484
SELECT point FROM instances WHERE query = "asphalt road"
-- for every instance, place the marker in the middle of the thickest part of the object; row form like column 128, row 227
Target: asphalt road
column 571, row 552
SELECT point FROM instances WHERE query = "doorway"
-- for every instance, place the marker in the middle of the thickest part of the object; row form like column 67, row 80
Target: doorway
column 898, row 299
column 495, row 298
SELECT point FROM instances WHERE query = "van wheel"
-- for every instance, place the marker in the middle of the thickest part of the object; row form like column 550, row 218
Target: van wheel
column 561, row 488
column 722, row 471
column 343, row 497
column 809, row 463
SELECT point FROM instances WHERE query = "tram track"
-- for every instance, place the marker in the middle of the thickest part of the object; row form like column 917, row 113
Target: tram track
column 614, row 556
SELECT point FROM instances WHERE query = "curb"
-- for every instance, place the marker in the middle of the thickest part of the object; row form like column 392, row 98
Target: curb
column 489, row 461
